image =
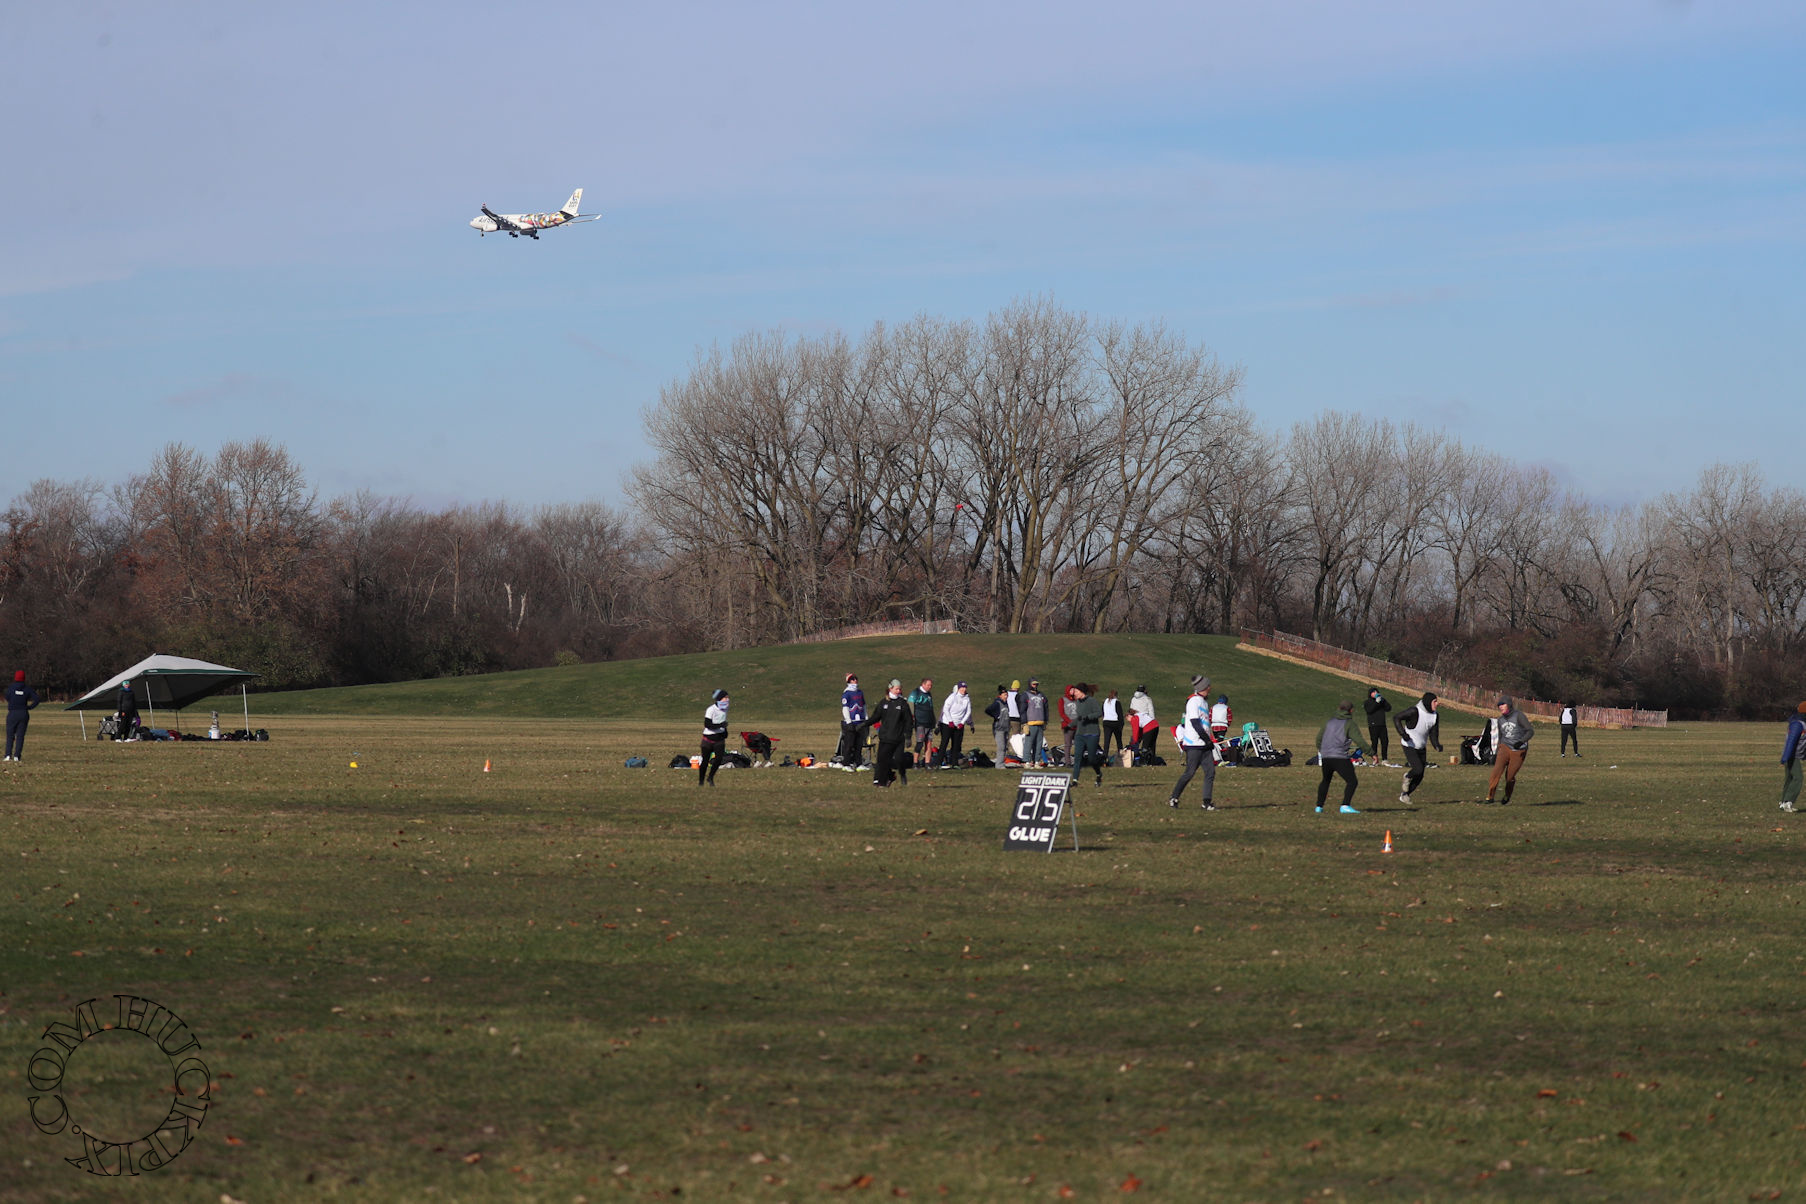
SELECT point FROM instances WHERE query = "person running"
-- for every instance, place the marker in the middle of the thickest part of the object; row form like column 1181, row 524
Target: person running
column 1417, row 727
column 956, row 717
column 1111, row 723
column 1570, row 728
column 1199, row 742
column 894, row 719
column 714, row 739
column 921, row 703
column 1793, row 757
column 1034, row 725
column 1220, row 718
column 852, row 724
column 1087, row 715
column 1514, row 745
column 1337, row 745
column 999, row 711
column 20, row 699
column 1377, row 706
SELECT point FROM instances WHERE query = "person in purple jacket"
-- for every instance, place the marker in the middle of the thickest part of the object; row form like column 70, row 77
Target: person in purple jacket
column 1793, row 756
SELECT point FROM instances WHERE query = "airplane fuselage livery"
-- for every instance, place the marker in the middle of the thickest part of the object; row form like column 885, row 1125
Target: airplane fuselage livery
column 516, row 224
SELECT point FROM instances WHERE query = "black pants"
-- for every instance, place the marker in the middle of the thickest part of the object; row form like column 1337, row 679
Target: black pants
column 953, row 743
column 1381, row 740
column 852, row 740
column 1570, row 732
column 711, row 761
column 1112, row 731
column 16, row 722
column 1415, row 765
column 892, row 762
column 1196, row 757
column 1150, row 735
column 1331, row 767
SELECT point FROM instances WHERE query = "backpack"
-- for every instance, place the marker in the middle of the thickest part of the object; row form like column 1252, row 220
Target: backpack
column 634, row 763
column 680, row 762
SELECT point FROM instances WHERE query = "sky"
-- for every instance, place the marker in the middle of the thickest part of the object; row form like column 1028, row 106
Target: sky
column 1571, row 232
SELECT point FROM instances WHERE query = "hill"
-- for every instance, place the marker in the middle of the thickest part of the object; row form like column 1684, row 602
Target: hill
column 799, row 682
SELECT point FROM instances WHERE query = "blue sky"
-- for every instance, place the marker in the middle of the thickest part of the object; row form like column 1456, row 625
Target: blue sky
column 1573, row 233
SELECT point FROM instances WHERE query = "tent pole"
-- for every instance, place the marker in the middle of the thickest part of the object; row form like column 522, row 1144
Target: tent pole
column 84, row 720
column 244, row 696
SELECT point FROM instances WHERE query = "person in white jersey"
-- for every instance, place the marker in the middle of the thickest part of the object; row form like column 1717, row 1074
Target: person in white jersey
column 1197, row 742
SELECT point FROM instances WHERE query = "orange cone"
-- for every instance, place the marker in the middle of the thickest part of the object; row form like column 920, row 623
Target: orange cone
column 485, row 764
column 1387, row 847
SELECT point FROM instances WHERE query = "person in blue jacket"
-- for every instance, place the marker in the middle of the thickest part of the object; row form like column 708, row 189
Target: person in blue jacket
column 1793, row 756
column 21, row 698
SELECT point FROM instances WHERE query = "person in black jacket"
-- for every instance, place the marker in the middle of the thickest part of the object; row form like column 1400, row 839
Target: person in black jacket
column 895, row 720
column 20, row 699
column 1377, row 706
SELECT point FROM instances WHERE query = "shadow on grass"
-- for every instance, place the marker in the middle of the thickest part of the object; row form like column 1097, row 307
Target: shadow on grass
column 1558, row 802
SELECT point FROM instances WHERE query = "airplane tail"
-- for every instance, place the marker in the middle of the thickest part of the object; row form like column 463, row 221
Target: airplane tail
column 570, row 206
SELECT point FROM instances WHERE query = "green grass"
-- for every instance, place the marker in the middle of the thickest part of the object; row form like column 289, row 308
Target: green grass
column 803, row 682
column 606, row 983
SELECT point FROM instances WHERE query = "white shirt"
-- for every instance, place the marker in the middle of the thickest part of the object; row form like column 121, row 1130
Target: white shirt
column 1143, row 707
column 1219, row 715
column 1567, row 716
column 1418, row 734
column 1112, row 710
column 957, row 710
column 1196, row 707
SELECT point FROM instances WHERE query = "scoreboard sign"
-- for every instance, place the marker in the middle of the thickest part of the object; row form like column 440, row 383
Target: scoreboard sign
column 1035, row 820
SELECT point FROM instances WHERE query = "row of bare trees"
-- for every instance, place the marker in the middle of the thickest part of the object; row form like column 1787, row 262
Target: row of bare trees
column 1037, row 471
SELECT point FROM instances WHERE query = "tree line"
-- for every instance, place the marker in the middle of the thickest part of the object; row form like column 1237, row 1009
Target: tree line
column 1040, row 470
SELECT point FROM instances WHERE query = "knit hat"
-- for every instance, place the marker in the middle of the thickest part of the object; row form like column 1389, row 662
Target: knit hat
column 1199, row 684
column 1346, row 708
column 1801, row 708
column 19, row 675
column 1222, row 698
column 1014, row 685
column 720, row 694
column 851, row 678
column 895, row 684
column 959, row 685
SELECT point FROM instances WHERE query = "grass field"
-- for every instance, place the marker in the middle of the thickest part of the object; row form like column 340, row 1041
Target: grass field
column 564, row 979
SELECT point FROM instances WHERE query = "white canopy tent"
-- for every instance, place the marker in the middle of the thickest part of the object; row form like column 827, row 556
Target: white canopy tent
column 173, row 681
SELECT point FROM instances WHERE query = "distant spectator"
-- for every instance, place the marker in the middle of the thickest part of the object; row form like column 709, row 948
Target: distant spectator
column 1112, row 722
column 1221, row 717
column 852, row 723
column 128, row 713
column 1142, row 721
column 1067, row 697
column 20, row 699
column 999, row 711
column 1377, row 706
column 1034, row 724
column 921, row 703
column 1570, row 728
column 1013, row 700
column 956, row 717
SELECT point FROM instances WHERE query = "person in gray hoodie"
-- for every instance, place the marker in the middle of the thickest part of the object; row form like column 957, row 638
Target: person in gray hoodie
column 1514, row 745
column 1337, row 744
column 1034, row 725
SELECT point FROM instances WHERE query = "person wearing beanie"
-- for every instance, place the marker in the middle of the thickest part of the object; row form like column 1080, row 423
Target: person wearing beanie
column 852, row 725
column 714, row 738
column 999, row 711
column 1417, row 727
column 956, row 717
column 1221, row 717
column 1377, row 706
column 1199, row 742
column 1570, row 728
column 1012, row 702
column 1337, row 744
column 1514, row 745
column 1793, row 756
column 893, row 719
column 1034, row 725
column 20, row 699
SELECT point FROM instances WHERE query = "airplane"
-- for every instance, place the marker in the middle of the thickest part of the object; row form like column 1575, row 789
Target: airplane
column 530, row 224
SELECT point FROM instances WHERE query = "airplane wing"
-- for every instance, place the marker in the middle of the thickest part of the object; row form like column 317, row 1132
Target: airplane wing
column 500, row 219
